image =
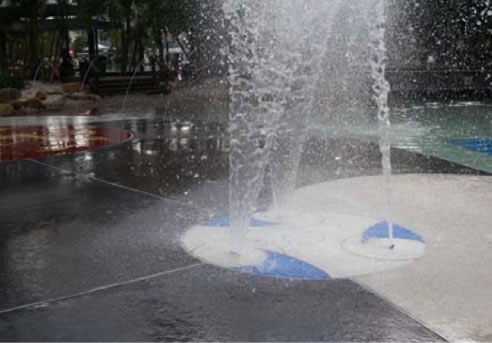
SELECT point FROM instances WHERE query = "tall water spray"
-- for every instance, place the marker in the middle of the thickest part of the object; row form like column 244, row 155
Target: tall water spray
column 290, row 60
column 254, row 109
column 274, row 61
column 381, row 89
column 304, row 65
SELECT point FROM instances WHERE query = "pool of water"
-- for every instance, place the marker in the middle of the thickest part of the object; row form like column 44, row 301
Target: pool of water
column 460, row 132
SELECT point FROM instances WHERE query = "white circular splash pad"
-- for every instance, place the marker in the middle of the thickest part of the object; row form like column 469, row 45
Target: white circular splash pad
column 299, row 243
column 385, row 249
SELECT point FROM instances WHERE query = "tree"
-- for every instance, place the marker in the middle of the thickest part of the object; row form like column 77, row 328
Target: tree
column 33, row 10
column 28, row 12
column 454, row 32
column 168, row 17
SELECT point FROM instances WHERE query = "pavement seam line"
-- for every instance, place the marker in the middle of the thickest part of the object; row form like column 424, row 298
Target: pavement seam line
column 203, row 210
column 99, row 289
column 155, row 196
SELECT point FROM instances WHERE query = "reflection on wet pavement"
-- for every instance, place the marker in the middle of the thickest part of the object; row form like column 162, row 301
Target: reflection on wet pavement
column 183, row 160
column 19, row 143
column 91, row 234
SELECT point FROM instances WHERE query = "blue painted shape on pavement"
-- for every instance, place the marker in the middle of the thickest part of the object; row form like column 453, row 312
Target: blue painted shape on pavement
column 380, row 231
column 482, row 144
column 283, row 266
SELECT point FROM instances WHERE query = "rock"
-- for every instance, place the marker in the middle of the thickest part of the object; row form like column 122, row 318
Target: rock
column 91, row 112
column 84, row 97
column 9, row 94
column 41, row 95
column 75, row 87
column 55, row 92
column 33, row 103
column 17, row 104
column 6, row 110
column 54, row 103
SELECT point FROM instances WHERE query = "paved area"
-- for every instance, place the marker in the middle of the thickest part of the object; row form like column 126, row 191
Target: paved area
column 90, row 247
column 450, row 287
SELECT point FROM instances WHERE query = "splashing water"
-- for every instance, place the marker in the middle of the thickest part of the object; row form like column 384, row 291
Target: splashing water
column 381, row 89
column 251, row 103
column 272, row 89
column 304, row 78
column 290, row 59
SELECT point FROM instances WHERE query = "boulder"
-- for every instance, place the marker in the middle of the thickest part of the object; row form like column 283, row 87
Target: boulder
column 84, row 97
column 91, row 112
column 17, row 104
column 41, row 95
column 75, row 87
column 9, row 94
column 33, row 103
column 55, row 92
column 6, row 110
column 54, row 103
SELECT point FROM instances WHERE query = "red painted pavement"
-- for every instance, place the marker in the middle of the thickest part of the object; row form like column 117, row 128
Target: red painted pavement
column 31, row 142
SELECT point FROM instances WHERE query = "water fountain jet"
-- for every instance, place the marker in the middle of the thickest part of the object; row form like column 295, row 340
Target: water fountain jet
column 86, row 75
column 130, row 85
column 276, row 89
column 38, row 69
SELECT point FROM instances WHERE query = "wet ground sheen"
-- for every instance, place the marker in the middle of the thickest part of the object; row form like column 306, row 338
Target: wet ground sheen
column 89, row 246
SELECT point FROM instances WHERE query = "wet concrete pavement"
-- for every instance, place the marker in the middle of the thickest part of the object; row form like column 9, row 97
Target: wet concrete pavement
column 63, row 234
column 89, row 250
column 209, row 304
column 171, row 159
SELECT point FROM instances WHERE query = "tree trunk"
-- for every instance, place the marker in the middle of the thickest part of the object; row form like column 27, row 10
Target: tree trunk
column 53, row 37
column 166, row 44
column 64, row 29
column 134, row 57
column 56, row 62
column 55, row 55
column 33, row 44
column 141, row 56
column 3, row 52
column 160, row 47
column 91, row 43
column 125, row 42
column 96, row 41
column 33, row 37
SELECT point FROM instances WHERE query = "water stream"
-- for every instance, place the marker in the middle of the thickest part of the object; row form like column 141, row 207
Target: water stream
column 292, row 63
column 38, row 69
column 381, row 89
column 130, row 85
column 86, row 75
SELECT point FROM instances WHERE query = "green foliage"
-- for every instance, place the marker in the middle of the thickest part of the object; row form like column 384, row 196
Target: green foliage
column 79, row 44
column 10, row 81
column 454, row 32
column 175, row 16
column 135, row 23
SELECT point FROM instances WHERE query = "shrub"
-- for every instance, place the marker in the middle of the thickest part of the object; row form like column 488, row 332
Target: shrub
column 11, row 81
